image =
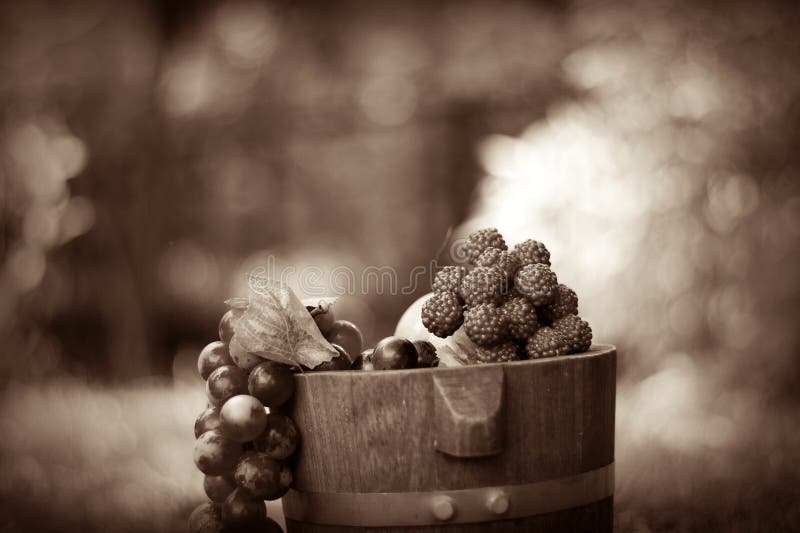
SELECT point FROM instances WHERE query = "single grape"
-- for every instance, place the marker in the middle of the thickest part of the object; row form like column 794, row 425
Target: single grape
column 219, row 487
column 286, row 477
column 339, row 362
column 259, row 474
column 224, row 383
column 242, row 510
column 206, row 518
column 226, row 327
column 393, row 353
column 280, row 438
column 271, row 382
column 323, row 316
column 346, row 335
column 243, row 418
column 426, row 354
column 213, row 356
column 214, row 454
column 206, row 421
column 245, row 360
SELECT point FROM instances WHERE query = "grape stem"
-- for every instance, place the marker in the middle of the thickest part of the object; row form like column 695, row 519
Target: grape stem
column 321, row 308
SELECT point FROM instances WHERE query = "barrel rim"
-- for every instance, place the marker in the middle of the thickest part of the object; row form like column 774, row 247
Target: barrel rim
column 595, row 350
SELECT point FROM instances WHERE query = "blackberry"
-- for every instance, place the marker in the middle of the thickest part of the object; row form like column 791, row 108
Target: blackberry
column 531, row 252
column 449, row 279
column 520, row 318
column 564, row 303
column 576, row 333
column 480, row 240
column 484, row 285
column 537, row 283
column 496, row 354
column 442, row 314
column 505, row 261
column 547, row 342
column 485, row 324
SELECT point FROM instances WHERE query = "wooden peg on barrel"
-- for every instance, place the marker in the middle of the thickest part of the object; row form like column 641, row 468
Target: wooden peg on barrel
column 469, row 412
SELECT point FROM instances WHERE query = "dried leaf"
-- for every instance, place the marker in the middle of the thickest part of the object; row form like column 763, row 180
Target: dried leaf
column 462, row 347
column 448, row 357
column 277, row 326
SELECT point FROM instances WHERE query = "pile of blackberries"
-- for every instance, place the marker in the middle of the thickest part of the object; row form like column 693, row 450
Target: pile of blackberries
column 509, row 303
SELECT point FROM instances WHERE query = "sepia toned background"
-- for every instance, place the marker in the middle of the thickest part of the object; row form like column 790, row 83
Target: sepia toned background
column 152, row 153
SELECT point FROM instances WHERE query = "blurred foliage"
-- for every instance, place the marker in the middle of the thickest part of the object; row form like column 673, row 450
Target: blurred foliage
column 151, row 153
column 199, row 139
column 669, row 195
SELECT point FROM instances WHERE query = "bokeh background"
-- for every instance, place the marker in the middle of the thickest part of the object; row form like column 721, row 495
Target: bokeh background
column 151, row 153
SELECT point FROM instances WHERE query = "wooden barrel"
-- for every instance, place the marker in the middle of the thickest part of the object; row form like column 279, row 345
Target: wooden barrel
column 525, row 445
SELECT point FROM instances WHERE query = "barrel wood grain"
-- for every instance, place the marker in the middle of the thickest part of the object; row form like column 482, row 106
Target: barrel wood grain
column 374, row 431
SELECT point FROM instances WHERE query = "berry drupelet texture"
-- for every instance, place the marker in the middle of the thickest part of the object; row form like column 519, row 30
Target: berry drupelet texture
column 449, row 279
column 484, row 285
column 547, row 342
column 501, row 353
column 531, row 252
column 485, row 324
column 564, row 303
column 442, row 314
column 521, row 318
column 505, row 261
column 537, row 283
column 480, row 240
column 576, row 333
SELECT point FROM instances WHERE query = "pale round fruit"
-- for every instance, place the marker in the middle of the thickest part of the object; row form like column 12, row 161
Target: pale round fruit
column 243, row 418
column 242, row 510
column 271, row 382
column 214, row 454
column 410, row 324
column 224, row 383
column 280, row 438
column 219, row 487
column 206, row 518
column 213, row 356
column 259, row 475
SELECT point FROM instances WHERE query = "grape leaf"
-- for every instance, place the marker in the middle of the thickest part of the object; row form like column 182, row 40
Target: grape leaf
column 276, row 326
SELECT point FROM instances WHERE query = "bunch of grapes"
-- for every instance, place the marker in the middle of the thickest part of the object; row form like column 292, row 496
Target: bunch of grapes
column 242, row 445
column 508, row 302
